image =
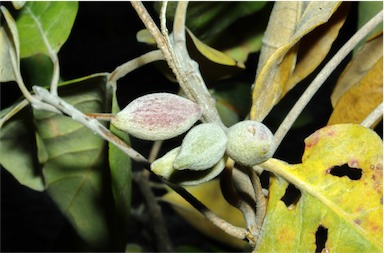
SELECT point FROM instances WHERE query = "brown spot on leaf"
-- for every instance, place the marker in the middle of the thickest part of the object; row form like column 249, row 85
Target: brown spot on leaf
column 357, row 221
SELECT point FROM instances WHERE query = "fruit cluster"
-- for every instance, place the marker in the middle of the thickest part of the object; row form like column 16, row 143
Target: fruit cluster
column 201, row 156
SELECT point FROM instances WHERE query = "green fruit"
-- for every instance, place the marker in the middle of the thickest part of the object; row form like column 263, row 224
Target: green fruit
column 250, row 143
column 163, row 167
column 157, row 116
column 202, row 147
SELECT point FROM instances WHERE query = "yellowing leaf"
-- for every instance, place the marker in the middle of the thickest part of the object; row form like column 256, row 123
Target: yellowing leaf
column 361, row 63
column 209, row 194
column 355, row 105
column 359, row 88
column 211, row 53
column 315, row 46
column 291, row 21
column 349, row 210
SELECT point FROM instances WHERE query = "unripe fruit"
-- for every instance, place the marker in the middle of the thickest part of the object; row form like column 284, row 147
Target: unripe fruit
column 250, row 143
column 163, row 167
column 157, row 116
column 202, row 147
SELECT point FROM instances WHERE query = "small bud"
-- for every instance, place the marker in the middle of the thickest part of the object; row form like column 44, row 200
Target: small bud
column 163, row 167
column 157, row 116
column 202, row 147
column 250, row 143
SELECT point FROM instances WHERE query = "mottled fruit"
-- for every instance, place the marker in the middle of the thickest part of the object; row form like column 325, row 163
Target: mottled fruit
column 157, row 116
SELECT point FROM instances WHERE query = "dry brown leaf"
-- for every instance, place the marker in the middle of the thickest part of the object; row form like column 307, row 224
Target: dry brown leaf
column 360, row 100
column 273, row 73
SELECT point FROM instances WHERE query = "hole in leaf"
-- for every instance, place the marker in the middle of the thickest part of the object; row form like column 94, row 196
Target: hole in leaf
column 321, row 238
column 345, row 170
column 291, row 197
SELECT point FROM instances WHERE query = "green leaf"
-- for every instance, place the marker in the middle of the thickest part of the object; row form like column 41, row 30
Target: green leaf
column 366, row 11
column 121, row 177
column 340, row 189
column 208, row 19
column 18, row 150
column 45, row 26
column 74, row 170
column 38, row 69
column 9, row 48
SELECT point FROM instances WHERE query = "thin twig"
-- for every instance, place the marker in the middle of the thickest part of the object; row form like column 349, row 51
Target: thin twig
column 163, row 19
column 131, row 65
column 261, row 202
column 323, row 75
column 231, row 176
column 56, row 71
column 373, row 116
column 230, row 229
column 163, row 241
column 92, row 124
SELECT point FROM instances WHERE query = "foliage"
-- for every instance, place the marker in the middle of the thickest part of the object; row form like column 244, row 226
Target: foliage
column 56, row 145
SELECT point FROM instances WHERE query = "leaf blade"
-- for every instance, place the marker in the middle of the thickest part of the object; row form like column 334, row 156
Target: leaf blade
column 338, row 198
column 45, row 26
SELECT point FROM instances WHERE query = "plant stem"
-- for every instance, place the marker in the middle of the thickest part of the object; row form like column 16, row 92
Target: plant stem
column 92, row 124
column 323, row 75
column 229, row 177
column 261, row 202
column 163, row 241
column 230, row 229
column 131, row 65
column 185, row 69
column 373, row 116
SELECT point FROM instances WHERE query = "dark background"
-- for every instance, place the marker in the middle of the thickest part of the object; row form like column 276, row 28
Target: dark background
column 103, row 37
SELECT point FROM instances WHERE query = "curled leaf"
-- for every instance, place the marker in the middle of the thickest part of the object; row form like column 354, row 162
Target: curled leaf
column 164, row 167
column 278, row 63
column 202, row 147
column 157, row 116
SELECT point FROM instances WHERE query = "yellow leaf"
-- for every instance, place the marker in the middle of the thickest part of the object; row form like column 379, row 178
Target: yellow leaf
column 360, row 100
column 213, row 54
column 278, row 57
column 209, row 194
column 349, row 210
column 361, row 63
column 359, row 88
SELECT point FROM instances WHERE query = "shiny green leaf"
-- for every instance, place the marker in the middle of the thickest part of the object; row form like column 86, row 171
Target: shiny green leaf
column 45, row 26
